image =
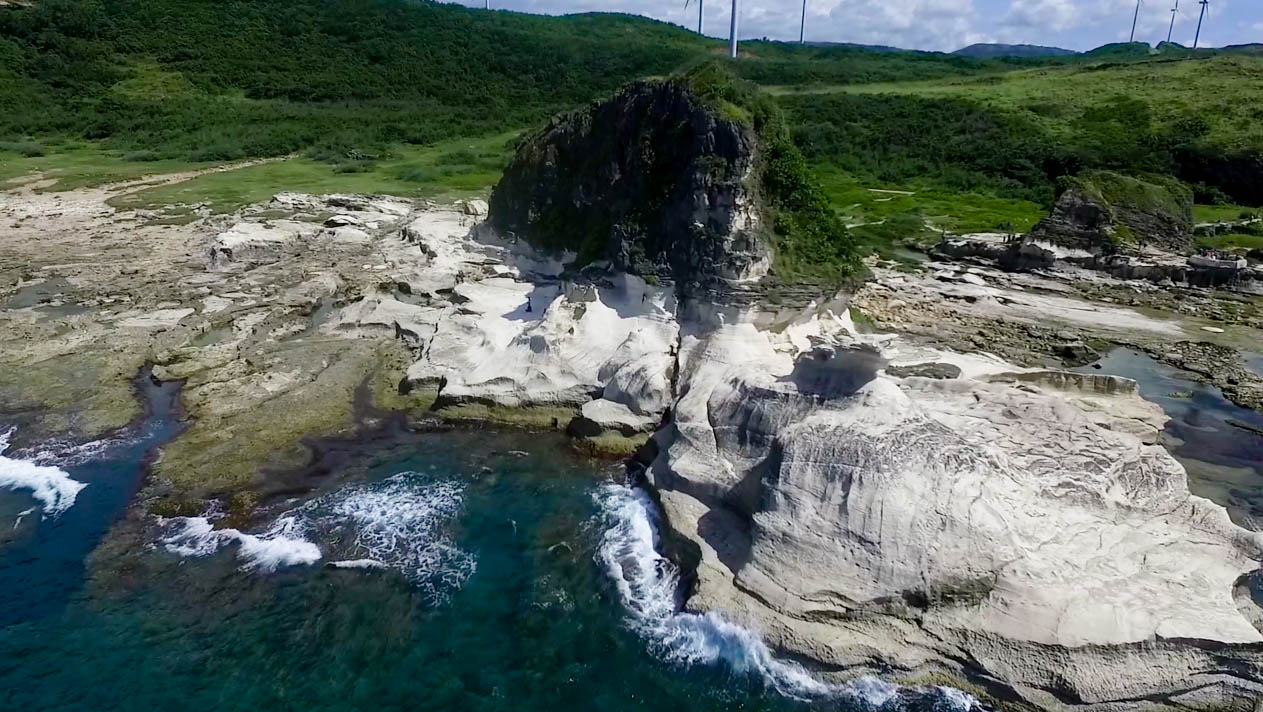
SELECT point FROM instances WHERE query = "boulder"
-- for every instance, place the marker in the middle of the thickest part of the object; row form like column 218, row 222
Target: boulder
column 343, row 220
column 1077, row 353
column 601, row 416
column 474, row 208
column 1108, row 213
column 653, row 179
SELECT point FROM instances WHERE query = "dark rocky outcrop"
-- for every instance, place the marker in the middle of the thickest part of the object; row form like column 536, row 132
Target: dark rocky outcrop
column 1109, row 213
column 653, row 179
column 691, row 180
column 941, row 371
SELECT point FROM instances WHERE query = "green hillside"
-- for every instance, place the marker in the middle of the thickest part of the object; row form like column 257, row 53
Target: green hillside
column 1224, row 91
column 426, row 99
column 214, row 80
column 1012, row 135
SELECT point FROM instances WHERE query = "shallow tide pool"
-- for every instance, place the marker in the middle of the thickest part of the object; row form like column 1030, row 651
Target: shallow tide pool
column 1224, row 460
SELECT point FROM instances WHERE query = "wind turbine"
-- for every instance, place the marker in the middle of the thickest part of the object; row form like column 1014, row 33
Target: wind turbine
column 699, row 13
column 803, row 27
column 1174, row 11
column 732, row 32
column 1133, row 22
column 1197, row 36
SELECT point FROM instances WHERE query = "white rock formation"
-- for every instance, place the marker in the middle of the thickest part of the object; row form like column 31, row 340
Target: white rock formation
column 600, row 415
column 256, row 240
column 1017, row 527
column 1014, row 525
column 499, row 327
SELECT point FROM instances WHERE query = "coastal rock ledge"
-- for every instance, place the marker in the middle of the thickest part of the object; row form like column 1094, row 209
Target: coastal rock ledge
column 1011, row 528
column 1017, row 530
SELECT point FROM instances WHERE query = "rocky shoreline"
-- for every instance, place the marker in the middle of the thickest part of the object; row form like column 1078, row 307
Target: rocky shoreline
column 873, row 494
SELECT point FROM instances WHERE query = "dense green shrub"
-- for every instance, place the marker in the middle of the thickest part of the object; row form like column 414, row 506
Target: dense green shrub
column 811, row 241
column 270, row 77
column 956, row 144
column 29, row 149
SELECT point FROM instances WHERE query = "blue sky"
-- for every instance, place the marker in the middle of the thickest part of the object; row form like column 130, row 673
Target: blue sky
column 944, row 24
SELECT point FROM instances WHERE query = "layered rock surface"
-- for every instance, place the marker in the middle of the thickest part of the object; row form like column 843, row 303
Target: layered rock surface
column 1008, row 526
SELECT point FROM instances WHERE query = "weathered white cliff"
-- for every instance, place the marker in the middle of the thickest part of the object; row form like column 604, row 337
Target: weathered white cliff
column 862, row 501
column 1014, row 527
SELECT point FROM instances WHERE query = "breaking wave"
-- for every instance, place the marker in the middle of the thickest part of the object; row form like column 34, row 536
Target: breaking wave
column 51, row 486
column 649, row 589
column 398, row 523
column 281, row 544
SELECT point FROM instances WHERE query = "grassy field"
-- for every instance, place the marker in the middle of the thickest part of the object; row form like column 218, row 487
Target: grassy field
column 1224, row 213
column 1234, row 242
column 1226, row 92
column 447, row 170
column 953, row 212
column 82, row 164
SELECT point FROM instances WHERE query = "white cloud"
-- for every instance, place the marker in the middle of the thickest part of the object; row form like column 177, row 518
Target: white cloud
column 920, row 24
column 1053, row 15
column 940, row 24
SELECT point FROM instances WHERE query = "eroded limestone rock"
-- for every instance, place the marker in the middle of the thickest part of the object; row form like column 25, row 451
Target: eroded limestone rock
column 653, row 180
column 1022, row 521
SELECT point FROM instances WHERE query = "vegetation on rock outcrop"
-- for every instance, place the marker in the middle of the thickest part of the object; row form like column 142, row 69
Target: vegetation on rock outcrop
column 1109, row 212
column 689, row 178
column 811, row 241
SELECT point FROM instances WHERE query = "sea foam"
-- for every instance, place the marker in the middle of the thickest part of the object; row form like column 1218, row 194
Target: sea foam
column 281, row 544
column 51, row 486
column 648, row 586
column 398, row 523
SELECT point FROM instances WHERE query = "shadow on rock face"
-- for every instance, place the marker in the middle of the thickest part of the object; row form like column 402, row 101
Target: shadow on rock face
column 1247, row 593
column 835, row 372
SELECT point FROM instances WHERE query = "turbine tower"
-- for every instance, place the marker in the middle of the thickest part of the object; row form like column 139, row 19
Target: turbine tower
column 1197, row 36
column 1171, row 29
column 802, row 28
column 486, row 4
column 699, row 13
column 732, row 32
column 1134, row 17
